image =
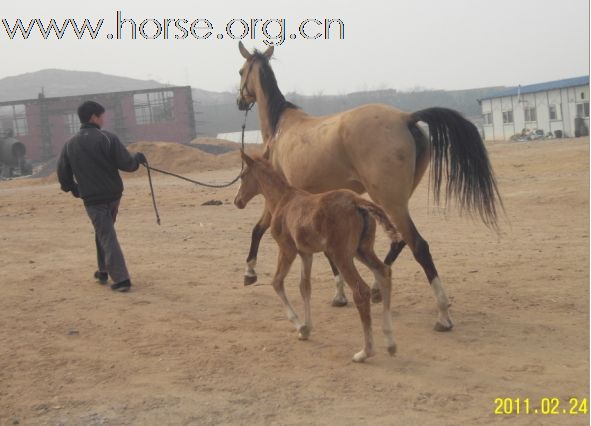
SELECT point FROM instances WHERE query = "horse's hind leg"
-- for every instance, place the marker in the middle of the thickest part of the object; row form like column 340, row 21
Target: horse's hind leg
column 339, row 298
column 383, row 276
column 361, row 297
column 395, row 249
column 250, row 275
column 306, row 291
column 420, row 251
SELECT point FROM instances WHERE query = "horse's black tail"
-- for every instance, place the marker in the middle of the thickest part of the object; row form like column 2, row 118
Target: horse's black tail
column 458, row 151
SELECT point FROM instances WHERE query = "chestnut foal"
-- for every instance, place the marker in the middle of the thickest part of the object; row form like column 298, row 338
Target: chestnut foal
column 339, row 223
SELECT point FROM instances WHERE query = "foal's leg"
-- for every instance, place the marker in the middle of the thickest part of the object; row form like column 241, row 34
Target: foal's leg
column 383, row 276
column 339, row 298
column 250, row 276
column 284, row 261
column 361, row 297
column 306, row 291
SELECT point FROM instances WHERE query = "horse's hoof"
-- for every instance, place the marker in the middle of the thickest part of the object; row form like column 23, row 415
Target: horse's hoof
column 392, row 349
column 376, row 295
column 249, row 280
column 339, row 302
column 304, row 332
column 442, row 327
column 361, row 356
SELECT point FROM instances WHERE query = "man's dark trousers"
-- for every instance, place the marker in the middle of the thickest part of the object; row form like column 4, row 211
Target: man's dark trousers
column 108, row 252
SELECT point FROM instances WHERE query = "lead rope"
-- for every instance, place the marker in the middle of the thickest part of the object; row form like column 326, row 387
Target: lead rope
column 196, row 182
column 152, row 192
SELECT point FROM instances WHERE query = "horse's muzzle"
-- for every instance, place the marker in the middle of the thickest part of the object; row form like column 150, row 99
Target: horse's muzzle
column 239, row 203
column 242, row 105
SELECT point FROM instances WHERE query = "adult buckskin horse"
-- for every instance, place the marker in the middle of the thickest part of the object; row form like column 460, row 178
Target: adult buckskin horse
column 375, row 149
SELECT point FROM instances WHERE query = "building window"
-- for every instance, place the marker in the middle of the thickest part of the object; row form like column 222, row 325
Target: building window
column 153, row 107
column 530, row 113
column 507, row 117
column 583, row 110
column 72, row 123
column 14, row 117
column 487, row 118
column 553, row 111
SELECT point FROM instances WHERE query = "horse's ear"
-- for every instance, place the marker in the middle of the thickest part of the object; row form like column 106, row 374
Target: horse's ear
column 243, row 51
column 269, row 52
column 267, row 153
column 246, row 158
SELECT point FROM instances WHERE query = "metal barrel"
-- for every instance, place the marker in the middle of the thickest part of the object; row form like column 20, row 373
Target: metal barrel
column 12, row 151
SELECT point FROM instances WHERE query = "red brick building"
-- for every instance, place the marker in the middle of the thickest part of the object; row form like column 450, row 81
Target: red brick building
column 45, row 124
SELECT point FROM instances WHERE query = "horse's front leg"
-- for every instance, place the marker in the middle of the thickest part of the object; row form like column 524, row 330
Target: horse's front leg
column 250, row 275
column 306, row 292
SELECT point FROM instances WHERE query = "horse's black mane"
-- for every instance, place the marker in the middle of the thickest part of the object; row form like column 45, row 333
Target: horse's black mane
column 276, row 102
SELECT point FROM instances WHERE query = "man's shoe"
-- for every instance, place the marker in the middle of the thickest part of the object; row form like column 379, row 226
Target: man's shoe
column 123, row 286
column 102, row 277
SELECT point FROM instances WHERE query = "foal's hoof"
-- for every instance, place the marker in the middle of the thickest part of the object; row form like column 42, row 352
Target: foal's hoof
column 249, row 280
column 339, row 302
column 304, row 332
column 439, row 326
column 392, row 349
column 376, row 295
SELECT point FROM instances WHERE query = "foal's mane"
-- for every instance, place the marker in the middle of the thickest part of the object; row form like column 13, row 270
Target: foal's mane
column 276, row 102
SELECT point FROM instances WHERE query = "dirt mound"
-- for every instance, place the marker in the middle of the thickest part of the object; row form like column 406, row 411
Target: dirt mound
column 180, row 158
column 206, row 140
column 176, row 158
column 215, row 146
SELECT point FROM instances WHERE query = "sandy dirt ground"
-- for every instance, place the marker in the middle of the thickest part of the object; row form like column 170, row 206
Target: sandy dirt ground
column 191, row 345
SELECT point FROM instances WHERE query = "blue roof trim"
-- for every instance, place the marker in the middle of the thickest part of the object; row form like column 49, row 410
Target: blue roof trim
column 542, row 87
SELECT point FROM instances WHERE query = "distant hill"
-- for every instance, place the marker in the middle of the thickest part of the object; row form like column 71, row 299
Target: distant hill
column 220, row 114
column 216, row 112
column 56, row 82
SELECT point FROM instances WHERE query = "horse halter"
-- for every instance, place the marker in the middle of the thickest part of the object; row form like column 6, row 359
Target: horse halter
column 243, row 89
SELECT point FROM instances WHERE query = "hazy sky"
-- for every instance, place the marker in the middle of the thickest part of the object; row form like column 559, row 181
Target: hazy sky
column 439, row 44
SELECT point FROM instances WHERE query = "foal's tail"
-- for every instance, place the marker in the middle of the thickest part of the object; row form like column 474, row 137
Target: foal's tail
column 380, row 216
column 458, row 151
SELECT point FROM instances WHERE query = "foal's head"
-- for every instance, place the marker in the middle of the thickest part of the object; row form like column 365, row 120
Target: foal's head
column 248, row 76
column 249, row 182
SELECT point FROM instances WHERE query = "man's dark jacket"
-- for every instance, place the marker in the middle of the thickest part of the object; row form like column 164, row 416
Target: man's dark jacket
column 94, row 157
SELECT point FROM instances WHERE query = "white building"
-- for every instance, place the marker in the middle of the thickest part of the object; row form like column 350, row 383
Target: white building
column 557, row 107
column 250, row 136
